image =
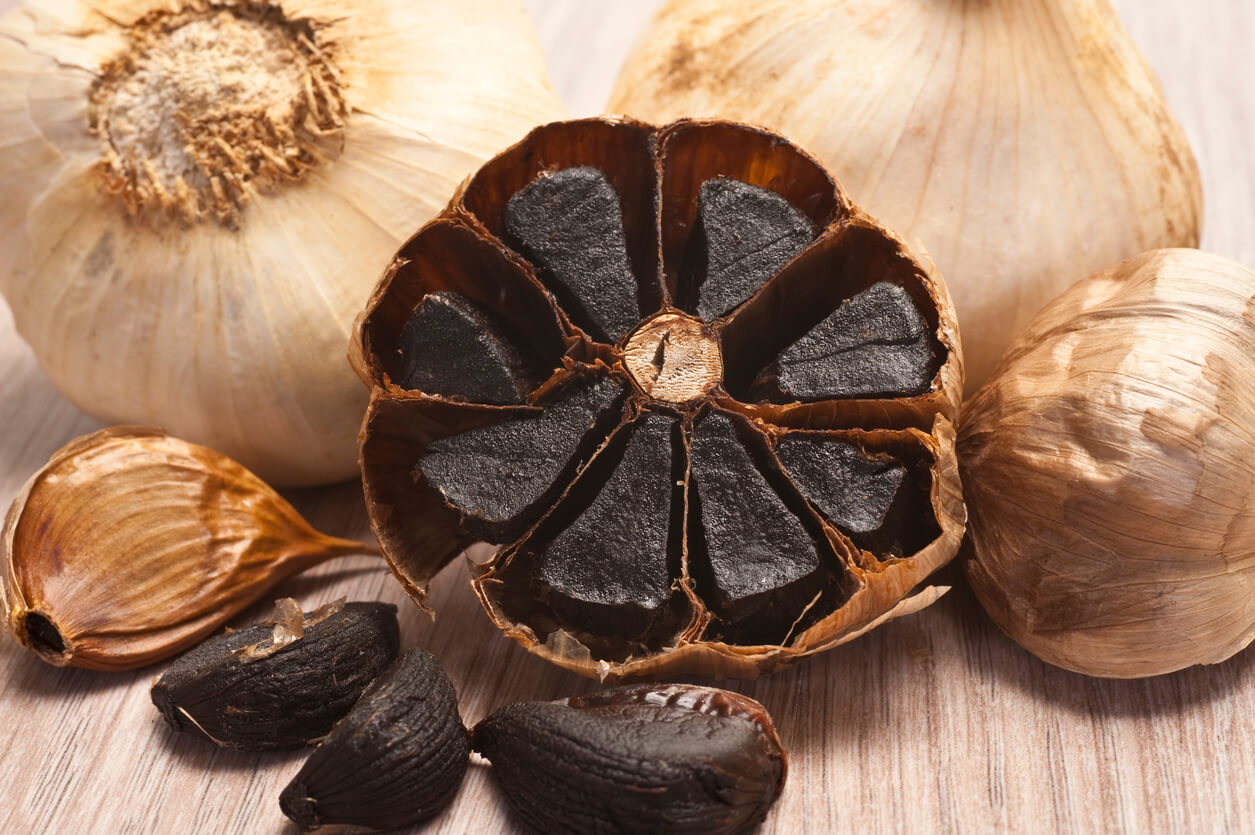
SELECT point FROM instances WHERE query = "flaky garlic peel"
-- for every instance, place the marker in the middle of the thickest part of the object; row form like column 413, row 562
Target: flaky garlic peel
column 200, row 194
column 1023, row 144
column 130, row 545
column 1109, row 467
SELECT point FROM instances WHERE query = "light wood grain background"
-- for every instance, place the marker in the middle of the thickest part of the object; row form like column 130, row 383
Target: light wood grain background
column 934, row 723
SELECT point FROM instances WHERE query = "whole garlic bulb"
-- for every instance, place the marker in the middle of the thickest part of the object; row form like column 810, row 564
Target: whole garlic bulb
column 1023, row 143
column 200, row 194
column 1109, row 467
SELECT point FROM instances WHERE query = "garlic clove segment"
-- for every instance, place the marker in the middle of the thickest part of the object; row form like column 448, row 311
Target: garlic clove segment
column 1109, row 469
column 1023, row 143
column 131, row 545
column 200, row 196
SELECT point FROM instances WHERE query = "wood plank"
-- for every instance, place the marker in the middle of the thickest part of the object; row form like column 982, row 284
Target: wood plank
column 934, row 723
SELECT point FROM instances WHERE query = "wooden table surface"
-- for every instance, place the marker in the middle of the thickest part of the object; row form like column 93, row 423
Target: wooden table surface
column 933, row 723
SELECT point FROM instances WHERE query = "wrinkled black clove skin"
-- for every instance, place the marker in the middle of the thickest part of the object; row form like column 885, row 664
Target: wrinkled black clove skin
column 285, row 700
column 646, row 758
column 396, row 759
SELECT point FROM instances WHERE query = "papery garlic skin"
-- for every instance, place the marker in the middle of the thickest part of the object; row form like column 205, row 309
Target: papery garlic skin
column 1024, row 144
column 231, row 330
column 130, row 545
column 1109, row 467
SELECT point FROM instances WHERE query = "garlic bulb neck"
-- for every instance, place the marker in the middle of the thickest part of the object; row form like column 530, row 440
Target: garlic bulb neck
column 205, row 105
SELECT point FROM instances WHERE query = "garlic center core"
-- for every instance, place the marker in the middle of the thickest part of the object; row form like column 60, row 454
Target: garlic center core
column 204, row 107
column 674, row 358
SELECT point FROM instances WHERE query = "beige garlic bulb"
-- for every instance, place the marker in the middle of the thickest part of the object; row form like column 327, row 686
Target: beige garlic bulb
column 1109, row 469
column 200, row 195
column 1024, row 144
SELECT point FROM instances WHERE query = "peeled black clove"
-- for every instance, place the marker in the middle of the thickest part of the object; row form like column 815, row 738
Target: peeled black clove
column 397, row 758
column 501, row 478
column 876, row 344
column 743, row 236
column 452, row 347
column 281, row 685
column 647, row 758
column 571, row 222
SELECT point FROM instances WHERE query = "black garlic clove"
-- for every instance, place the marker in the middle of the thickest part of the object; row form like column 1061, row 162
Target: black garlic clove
column 757, row 566
column 501, row 478
column 279, row 686
column 852, row 490
column 875, row 344
column 397, row 758
column 452, row 347
column 646, row 758
column 610, row 570
column 571, row 223
column 744, row 234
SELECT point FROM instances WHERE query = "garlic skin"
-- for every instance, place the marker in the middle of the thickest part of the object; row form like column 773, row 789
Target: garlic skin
column 1024, row 144
column 215, row 297
column 130, row 546
column 1109, row 468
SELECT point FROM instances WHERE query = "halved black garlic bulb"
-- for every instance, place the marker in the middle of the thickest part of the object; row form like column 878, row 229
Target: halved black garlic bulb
column 702, row 402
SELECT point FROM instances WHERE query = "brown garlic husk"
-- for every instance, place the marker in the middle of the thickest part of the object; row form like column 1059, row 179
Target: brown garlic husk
column 131, row 545
column 1109, row 466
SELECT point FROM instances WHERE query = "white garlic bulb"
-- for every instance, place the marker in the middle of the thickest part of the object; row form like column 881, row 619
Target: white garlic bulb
column 200, row 195
column 1023, row 143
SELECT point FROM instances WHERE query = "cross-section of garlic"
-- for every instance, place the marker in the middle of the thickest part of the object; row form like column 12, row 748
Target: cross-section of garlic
column 1023, row 143
column 199, row 195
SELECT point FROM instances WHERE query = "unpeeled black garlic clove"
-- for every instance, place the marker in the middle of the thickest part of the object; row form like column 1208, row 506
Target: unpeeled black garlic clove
column 397, row 758
column 281, row 685
column 646, row 758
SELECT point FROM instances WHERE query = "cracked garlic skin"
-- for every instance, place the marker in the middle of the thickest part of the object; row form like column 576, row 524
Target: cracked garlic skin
column 700, row 401
column 130, row 545
column 200, row 195
column 1109, row 465
column 1024, row 144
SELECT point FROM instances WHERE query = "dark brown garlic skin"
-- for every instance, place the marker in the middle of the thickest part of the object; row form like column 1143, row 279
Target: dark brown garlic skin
column 647, row 758
column 233, row 691
column 397, row 758
column 661, row 317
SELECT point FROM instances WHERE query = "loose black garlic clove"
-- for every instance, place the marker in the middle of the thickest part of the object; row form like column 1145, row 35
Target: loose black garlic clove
column 396, row 759
column 282, row 685
column 646, row 758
